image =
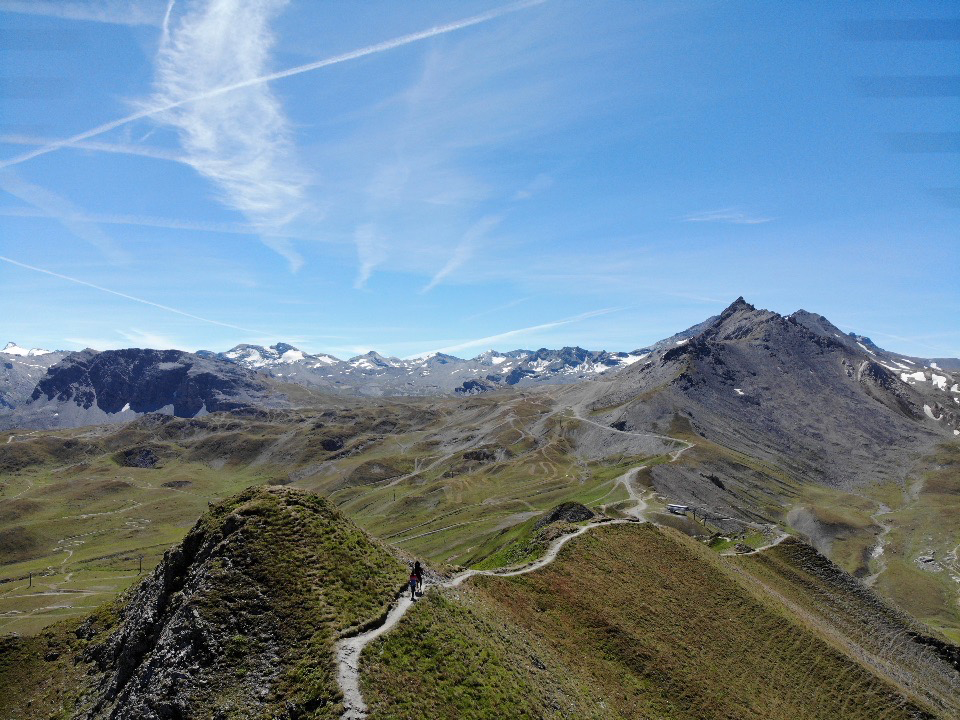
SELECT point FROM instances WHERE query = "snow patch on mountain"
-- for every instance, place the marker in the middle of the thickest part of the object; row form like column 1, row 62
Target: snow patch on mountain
column 11, row 348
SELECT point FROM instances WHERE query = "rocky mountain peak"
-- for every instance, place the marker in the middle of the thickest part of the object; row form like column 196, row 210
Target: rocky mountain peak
column 372, row 359
column 816, row 323
column 740, row 321
column 739, row 304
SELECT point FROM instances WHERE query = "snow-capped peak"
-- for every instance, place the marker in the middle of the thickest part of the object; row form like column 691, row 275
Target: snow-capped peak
column 373, row 359
column 491, row 357
column 12, row 348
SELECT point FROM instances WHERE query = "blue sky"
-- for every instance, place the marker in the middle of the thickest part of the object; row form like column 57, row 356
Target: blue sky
column 410, row 177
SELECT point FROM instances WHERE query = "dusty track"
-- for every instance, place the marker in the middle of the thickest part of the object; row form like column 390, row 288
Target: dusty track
column 773, row 543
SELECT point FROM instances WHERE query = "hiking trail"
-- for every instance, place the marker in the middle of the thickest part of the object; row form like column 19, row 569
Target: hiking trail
column 350, row 648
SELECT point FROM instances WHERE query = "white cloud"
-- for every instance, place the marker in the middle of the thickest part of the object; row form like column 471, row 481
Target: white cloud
column 728, row 215
column 119, row 148
column 371, row 251
column 167, row 308
column 117, row 12
column 496, row 309
column 130, row 338
column 240, row 141
column 159, row 222
column 490, row 340
column 261, row 79
column 145, row 338
column 464, row 250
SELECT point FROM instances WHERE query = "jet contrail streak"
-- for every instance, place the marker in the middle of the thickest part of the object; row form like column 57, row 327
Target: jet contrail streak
column 352, row 55
column 124, row 295
column 513, row 333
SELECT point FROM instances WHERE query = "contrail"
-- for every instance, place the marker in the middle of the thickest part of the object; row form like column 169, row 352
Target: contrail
column 352, row 55
column 520, row 331
column 165, row 27
column 141, row 150
column 128, row 297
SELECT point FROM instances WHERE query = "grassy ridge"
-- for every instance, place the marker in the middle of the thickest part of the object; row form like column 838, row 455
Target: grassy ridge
column 240, row 620
column 858, row 622
column 653, row 623
column 449, row 480
column 455, row 657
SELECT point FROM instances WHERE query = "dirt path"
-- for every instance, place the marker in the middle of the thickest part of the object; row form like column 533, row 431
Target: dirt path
column 673, row 456
column 773, row 543
column 23, row 492
column 87, row 516
column 349, row 649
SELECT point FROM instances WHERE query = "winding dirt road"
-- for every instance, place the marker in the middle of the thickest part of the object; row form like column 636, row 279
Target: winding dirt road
column 349, row 649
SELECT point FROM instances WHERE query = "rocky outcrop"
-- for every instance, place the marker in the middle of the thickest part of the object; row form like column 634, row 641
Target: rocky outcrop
column 138, row 457
column 146, row 381
column 568, row 512
column 239, row 620
column 20, row 372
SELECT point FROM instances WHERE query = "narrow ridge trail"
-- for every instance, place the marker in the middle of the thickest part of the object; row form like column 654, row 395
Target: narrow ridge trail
column 350, row 648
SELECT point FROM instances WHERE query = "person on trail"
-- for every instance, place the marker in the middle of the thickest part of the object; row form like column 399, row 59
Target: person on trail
column 413, row 585
column 418, row 571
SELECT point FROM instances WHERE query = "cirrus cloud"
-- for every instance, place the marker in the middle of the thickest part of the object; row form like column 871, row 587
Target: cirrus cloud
column 733, row 216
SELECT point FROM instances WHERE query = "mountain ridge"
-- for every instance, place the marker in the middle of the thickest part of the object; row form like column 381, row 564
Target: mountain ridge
column 27, row 395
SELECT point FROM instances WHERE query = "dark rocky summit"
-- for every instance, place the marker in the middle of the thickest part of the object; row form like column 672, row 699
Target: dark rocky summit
column 91, row 387
column 147, row 381
column 792, row 391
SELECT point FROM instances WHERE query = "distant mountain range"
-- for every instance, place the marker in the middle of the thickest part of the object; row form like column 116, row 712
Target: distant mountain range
column 41, row 388
column 372, row 374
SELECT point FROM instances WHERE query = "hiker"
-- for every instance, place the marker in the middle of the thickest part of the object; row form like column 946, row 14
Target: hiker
column 418, row 571
column 413, row 585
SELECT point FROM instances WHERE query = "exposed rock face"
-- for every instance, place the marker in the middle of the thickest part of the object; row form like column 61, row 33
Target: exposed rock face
column 91, row 387
column 473, row 387
column 139, row 457
column 20, row 370
column 571, row 512
column 146, row 381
